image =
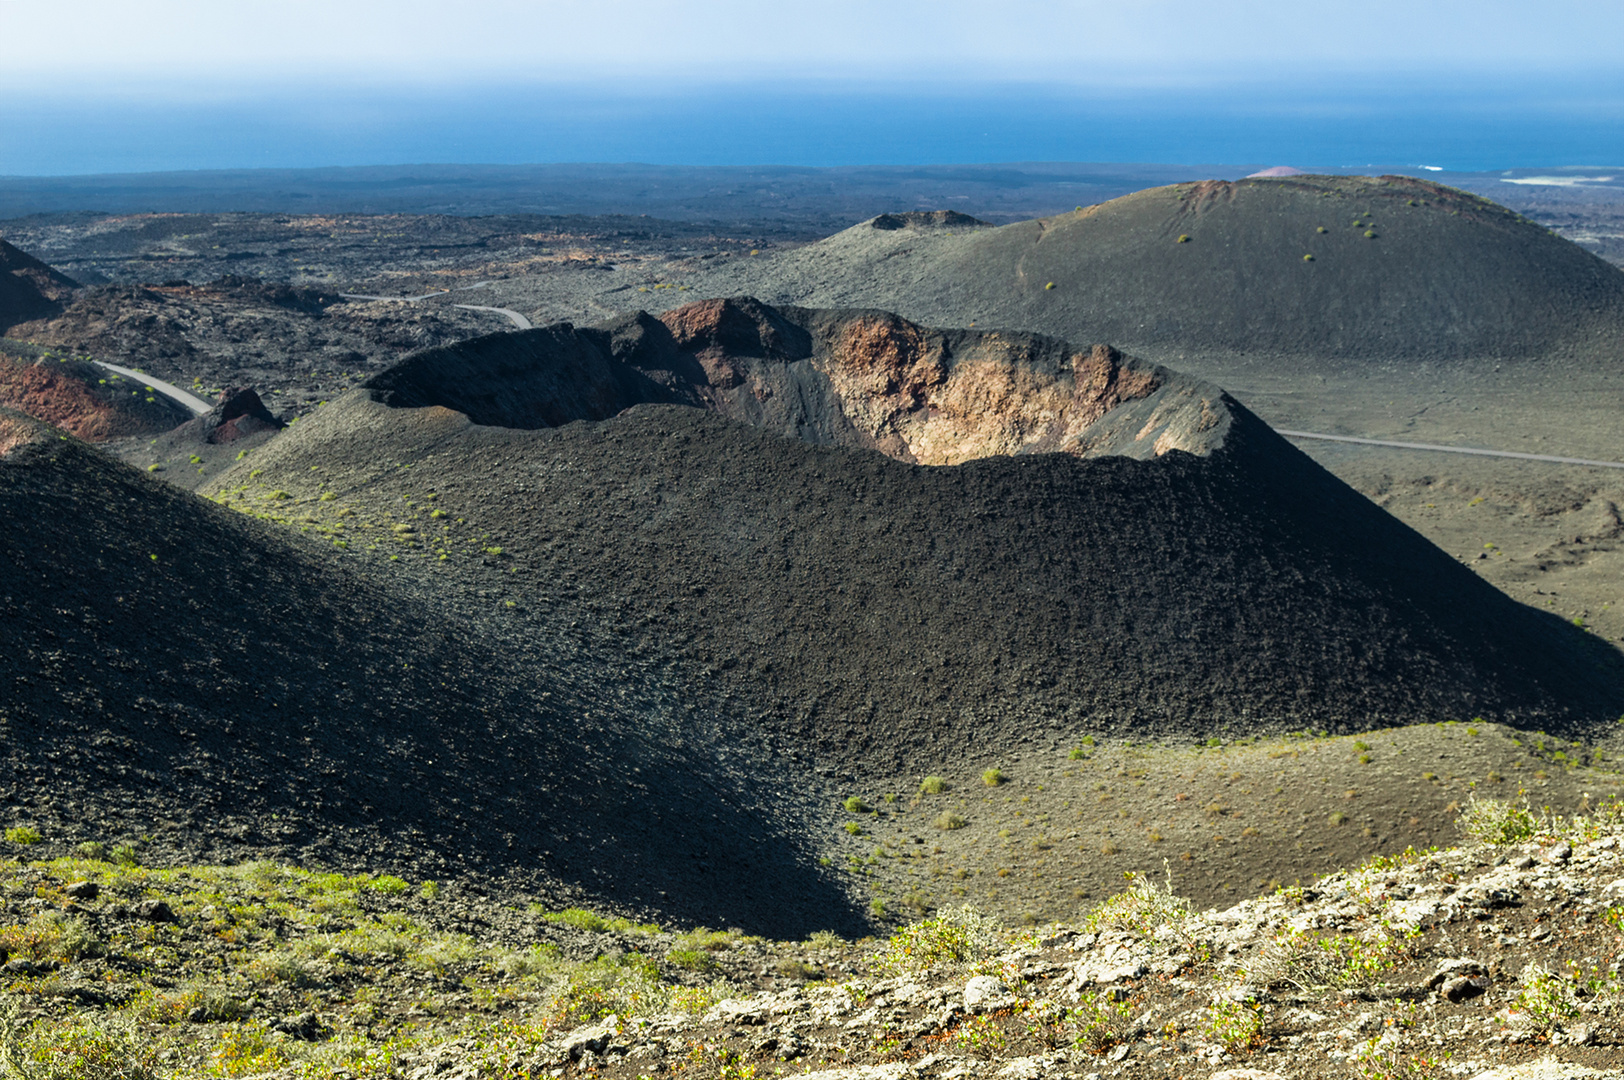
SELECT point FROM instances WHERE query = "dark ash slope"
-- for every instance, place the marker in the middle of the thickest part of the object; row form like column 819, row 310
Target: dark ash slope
column 876, row 608
column 28, row 288
column 176, row 671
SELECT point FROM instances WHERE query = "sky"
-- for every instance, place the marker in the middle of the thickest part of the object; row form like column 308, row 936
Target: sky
column 93, row 85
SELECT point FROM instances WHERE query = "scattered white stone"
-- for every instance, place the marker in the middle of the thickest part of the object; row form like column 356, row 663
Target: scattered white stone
column 984, row 993
column 737, row 1011
column 1027, row 1068
column 861, row 1072
column 590, row 1039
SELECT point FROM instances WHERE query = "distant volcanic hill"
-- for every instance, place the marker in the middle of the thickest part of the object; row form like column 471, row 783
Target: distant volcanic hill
column 1346, row 270
column 28, row 288
column 740, row 488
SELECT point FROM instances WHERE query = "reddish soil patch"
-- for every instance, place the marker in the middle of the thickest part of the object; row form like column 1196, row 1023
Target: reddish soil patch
column 60, row 398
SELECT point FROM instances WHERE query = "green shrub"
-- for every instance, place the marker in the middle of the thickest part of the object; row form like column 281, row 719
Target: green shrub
column 1496, row 821
column 1143, row 909
column 993, row 777
column 592, row 922
column 93, row 850
column 87, row 1047
column 1234, row 1025
column 1099, row 1022
column 932, row 785
column 50, row 936
column 955, row 939
column 826, row 939
column 26, row 835
column 856, row 805
column 947, row 821
column 696, row 960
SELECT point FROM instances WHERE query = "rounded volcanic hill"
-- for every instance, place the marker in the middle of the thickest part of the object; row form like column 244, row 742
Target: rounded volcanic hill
column 891, row 543
column 207, row 687
column 1346, row 269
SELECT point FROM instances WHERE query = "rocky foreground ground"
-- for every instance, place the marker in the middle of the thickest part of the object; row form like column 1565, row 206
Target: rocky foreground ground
column 1495, row 960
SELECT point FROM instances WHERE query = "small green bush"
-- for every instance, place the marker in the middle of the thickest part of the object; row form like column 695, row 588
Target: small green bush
column 932, row 785
column 948, row 821
column 94, row 850
column 1499, row 822
column 856, row 805
column 696, row 960
column 993, row 777
column 592, row 922
column 1184, row 238
column 955, row 939
column 854, row 828
column 1144, row 910
column 24, row 834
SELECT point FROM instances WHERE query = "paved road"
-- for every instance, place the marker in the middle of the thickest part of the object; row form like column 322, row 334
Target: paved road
column 170, row 390
column 514, row 317
column 1452, row 449
column 518, row 320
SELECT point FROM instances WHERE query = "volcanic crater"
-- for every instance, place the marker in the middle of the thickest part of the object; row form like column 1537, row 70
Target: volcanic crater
column 759, row 493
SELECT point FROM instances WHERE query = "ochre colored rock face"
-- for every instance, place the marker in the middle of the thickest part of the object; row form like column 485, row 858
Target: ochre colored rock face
column 913, row 393
column 992, row 400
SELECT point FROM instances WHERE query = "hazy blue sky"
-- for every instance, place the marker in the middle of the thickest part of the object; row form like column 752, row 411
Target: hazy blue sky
column 93, row 85
column 1068, row 40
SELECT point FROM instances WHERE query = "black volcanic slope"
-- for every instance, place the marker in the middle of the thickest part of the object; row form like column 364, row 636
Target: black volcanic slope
column 28, row 288
column 1350, row 269
column 1196, row 574
column 178, row 672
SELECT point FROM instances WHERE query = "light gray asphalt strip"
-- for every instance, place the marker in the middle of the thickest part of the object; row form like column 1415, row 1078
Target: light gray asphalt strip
column 518, row 320
column 1452, row 449
column 196, row 404
column 401, row 299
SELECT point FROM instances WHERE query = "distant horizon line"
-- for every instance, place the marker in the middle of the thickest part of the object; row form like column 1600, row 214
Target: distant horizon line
column 1307, row 169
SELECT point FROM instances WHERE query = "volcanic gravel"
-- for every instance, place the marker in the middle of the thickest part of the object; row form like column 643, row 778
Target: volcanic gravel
column 207, row 687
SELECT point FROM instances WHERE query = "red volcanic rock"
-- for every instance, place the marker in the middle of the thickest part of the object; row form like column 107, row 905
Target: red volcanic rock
column 241, row 413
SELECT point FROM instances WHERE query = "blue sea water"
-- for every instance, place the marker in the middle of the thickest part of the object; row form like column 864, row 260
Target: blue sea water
column 1461, row 125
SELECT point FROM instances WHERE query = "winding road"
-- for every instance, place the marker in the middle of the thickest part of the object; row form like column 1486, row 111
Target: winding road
column 512, row 316
column 169, row 390
column 1451, row 449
